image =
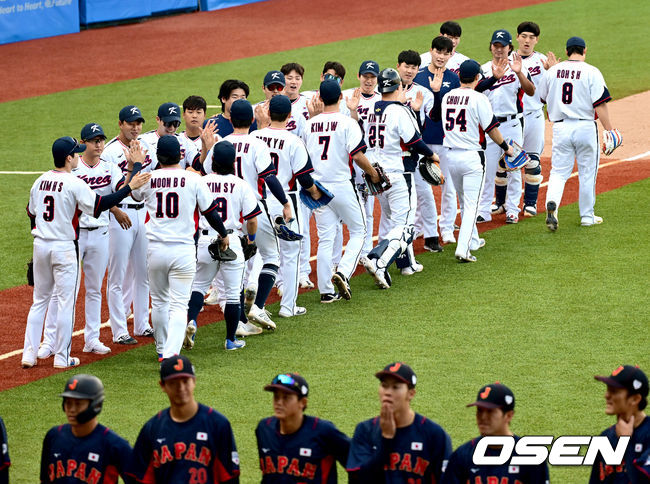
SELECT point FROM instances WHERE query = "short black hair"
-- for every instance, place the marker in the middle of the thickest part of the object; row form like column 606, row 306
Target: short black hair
column 195, row 102
column 575, row 49
column 465, row 80
column 451, row 28
column 166, row 160
column 293, row 66
column 279, row 116
column 409, row 57
column 228, row 86
column 442, row 44
column 336, row 67
column 510, row 48
column 241, row 123
column 60, row 163
column 223, row 169
column 531, row 27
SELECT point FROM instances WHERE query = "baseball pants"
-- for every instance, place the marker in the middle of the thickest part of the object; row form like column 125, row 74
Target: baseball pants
column 448, row 201
column 305, row 243
column 229, row 274
column 534, row 127
column 426, row 213
column 289, row 271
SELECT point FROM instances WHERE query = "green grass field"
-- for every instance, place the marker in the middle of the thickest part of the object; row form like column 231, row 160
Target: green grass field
column 541, row 312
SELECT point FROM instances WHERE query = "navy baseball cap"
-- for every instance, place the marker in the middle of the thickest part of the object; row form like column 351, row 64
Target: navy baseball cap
column 91, row 131
column 178, row 366
column 66, row 146
column 330, row 91
column 495, row 395
column 274, row 77
column 131, row 113
column 169, row 112
column 280, row 104
column 169, row 146
column 628, row 377
column 369, row 67
column 289, row 382
column 502, row 37
column 468, row 69
column 576, row 42
column 400, row 371
column 224, row 153
column 242, row 110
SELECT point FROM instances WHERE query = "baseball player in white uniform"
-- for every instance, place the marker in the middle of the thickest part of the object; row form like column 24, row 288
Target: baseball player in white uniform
column 506, row 99
column 236, row 204
column 194, row 109
column 274, row 85
column 332, row 139
column 55, row 199
column 574, row 92
column 452, row 31
column 171, row 198
column 467, row 115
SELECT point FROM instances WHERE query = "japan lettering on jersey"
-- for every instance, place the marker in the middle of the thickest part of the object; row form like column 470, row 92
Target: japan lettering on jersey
column 461, row 469
column 454, row 62
column 234, row 200
column 366, row 103
column 572, row 89
column 534, row 63
column 331, row 139
column 466, row 117
column 103, row 178
column 56, row 200
column 115, row 152
column 390, row 130
column 418, row 453
column 99, row 457
column 307, row 455
column 288, row 153
column 505, row 95
column 188, row 149
column 171, row 198
column 200, row 450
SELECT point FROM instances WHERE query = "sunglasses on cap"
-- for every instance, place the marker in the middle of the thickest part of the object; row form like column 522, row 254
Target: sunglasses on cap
column 275, row 87
column 327, row 77
column 284, row 380
column 74, row 148
column 170, row 124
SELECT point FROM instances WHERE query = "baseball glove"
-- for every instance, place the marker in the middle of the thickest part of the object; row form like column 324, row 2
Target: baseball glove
column 249, row 248
column 219, row 254
column 382, row 185
column 612, row 139
column 311, row 203
column 518, row 160
column 430, row 171
column 284, row 231
column 30, row 272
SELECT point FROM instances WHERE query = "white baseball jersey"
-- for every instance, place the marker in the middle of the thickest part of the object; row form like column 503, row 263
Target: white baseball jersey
column 299, row 107
column 188, row 147
column 115, row 152
column 171, row 198
column 331, row 139
column 366, row 103
column 427, row 99
column 235, row 202
column 454, row 62
column 572, row 89
column 103, row 178
column 506, row 94
column 466, row 117
column 196, row 141
column 55, row 200
column 391, row 128
column 288, row 153
column 534, row 63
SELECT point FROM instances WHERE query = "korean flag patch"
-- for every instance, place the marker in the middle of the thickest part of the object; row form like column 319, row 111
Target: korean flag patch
column 513, row 469
column 305, row 452
column 416, row 445
column 93, row 457
column 201, row 436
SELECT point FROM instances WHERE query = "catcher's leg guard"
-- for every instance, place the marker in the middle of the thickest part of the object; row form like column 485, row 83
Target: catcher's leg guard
column 533, row 178
column 407, row 258
column 500, row 185
column 395, row 246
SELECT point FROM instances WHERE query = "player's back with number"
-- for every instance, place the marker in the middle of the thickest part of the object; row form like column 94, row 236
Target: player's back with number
column 466, row 117
column 234, row 199
column 288, row 154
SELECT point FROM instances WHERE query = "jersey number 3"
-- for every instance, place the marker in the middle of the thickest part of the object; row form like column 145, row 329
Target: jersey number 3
column 460, row 120
column 48, row 213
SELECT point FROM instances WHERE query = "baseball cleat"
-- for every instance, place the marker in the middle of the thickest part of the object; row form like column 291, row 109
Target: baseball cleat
column 480, row 219
column 27, row 363
column 530, row 211
column 379, row 275
column 260, row 317
column 469, row 258
column 329, row 298
column 551, row 216
column 409, row 271
column 247, row 329
column 448, row 238
column 432, row 244
column 96, row 347
column 305, row 283
column 235, row 344
column 160, row 357
column 481, row 244
column 497, row 209
column 73, row 361
column 512, row 218
column 190, row 334
column 298, row 311
column 213, row 297
column 588, row 223
column 147, row 333
column 126, row 339
column 44, row 352
column 341, row 283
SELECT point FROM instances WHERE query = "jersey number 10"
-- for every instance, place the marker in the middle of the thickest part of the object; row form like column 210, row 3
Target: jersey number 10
column 170, row 208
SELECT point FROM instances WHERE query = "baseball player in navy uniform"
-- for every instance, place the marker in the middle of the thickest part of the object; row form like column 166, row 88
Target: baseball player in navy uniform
column 643, row 464
column 399, row 446
column 575, row 92
column 230, row 91
column 187, row 442
column 495, row 407
column 294, row 447
column 83, row 450
column 55, row 201
column 5, row 461
column 626, row 398
column 452, row 30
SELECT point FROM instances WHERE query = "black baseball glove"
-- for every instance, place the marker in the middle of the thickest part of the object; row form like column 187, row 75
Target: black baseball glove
column 382, row 185
column 219, row 254
column 249, row 248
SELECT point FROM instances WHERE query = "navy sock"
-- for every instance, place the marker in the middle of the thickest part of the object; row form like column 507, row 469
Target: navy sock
column 265, row 284
column 242, row 312
column 231, row 315
column 195, row 305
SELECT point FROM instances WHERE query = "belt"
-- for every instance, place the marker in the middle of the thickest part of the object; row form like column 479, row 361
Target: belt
column 134, row 206
column 574, row 119
column 207, row 232
column 89, row 229
column 503, row 119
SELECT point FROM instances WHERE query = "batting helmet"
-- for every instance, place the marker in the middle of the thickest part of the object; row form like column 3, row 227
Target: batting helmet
column 85, row 387
column 388, row 80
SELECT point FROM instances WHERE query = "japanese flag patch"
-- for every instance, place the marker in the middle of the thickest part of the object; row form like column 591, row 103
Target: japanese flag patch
column 416, row 445
column 93, row 457
column 305, row 452
column 201, row 436
column 638, row 447
column 513, row 469
column 235, row 458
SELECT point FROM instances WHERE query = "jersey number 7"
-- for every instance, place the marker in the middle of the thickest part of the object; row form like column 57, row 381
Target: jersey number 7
column 459, row 120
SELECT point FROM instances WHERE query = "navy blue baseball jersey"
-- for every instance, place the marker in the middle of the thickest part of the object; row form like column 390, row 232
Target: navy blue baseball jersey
column 308, row 455
column 224, row 126
column 462, row 470
column 5, row 462
column 200, row 450
column 416, row 455
column 99, row 458
column 627, row 472
column 433, row 132
column 643, row 464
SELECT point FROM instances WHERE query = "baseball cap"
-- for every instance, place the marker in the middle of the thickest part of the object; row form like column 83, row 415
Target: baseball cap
column 468, row 69
column 575, row 42
column 131, row 113
column 495, row 395
column 280, row 104
column 169, row 146
column 224, row 153
column 63, row 147
column 242, row 110
column 274, row 77
column 502, row 37
column 369, row 67
column 178, row 366
column 169, row 112
column 399, row 370
column 330, row 91
column 628, row 377
column 289, row 382
column 91, row 131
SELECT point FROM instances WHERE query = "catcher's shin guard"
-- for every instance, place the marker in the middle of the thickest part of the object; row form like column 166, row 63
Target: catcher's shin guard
column 390, row 249
column 407, row 259
column 533, row 178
